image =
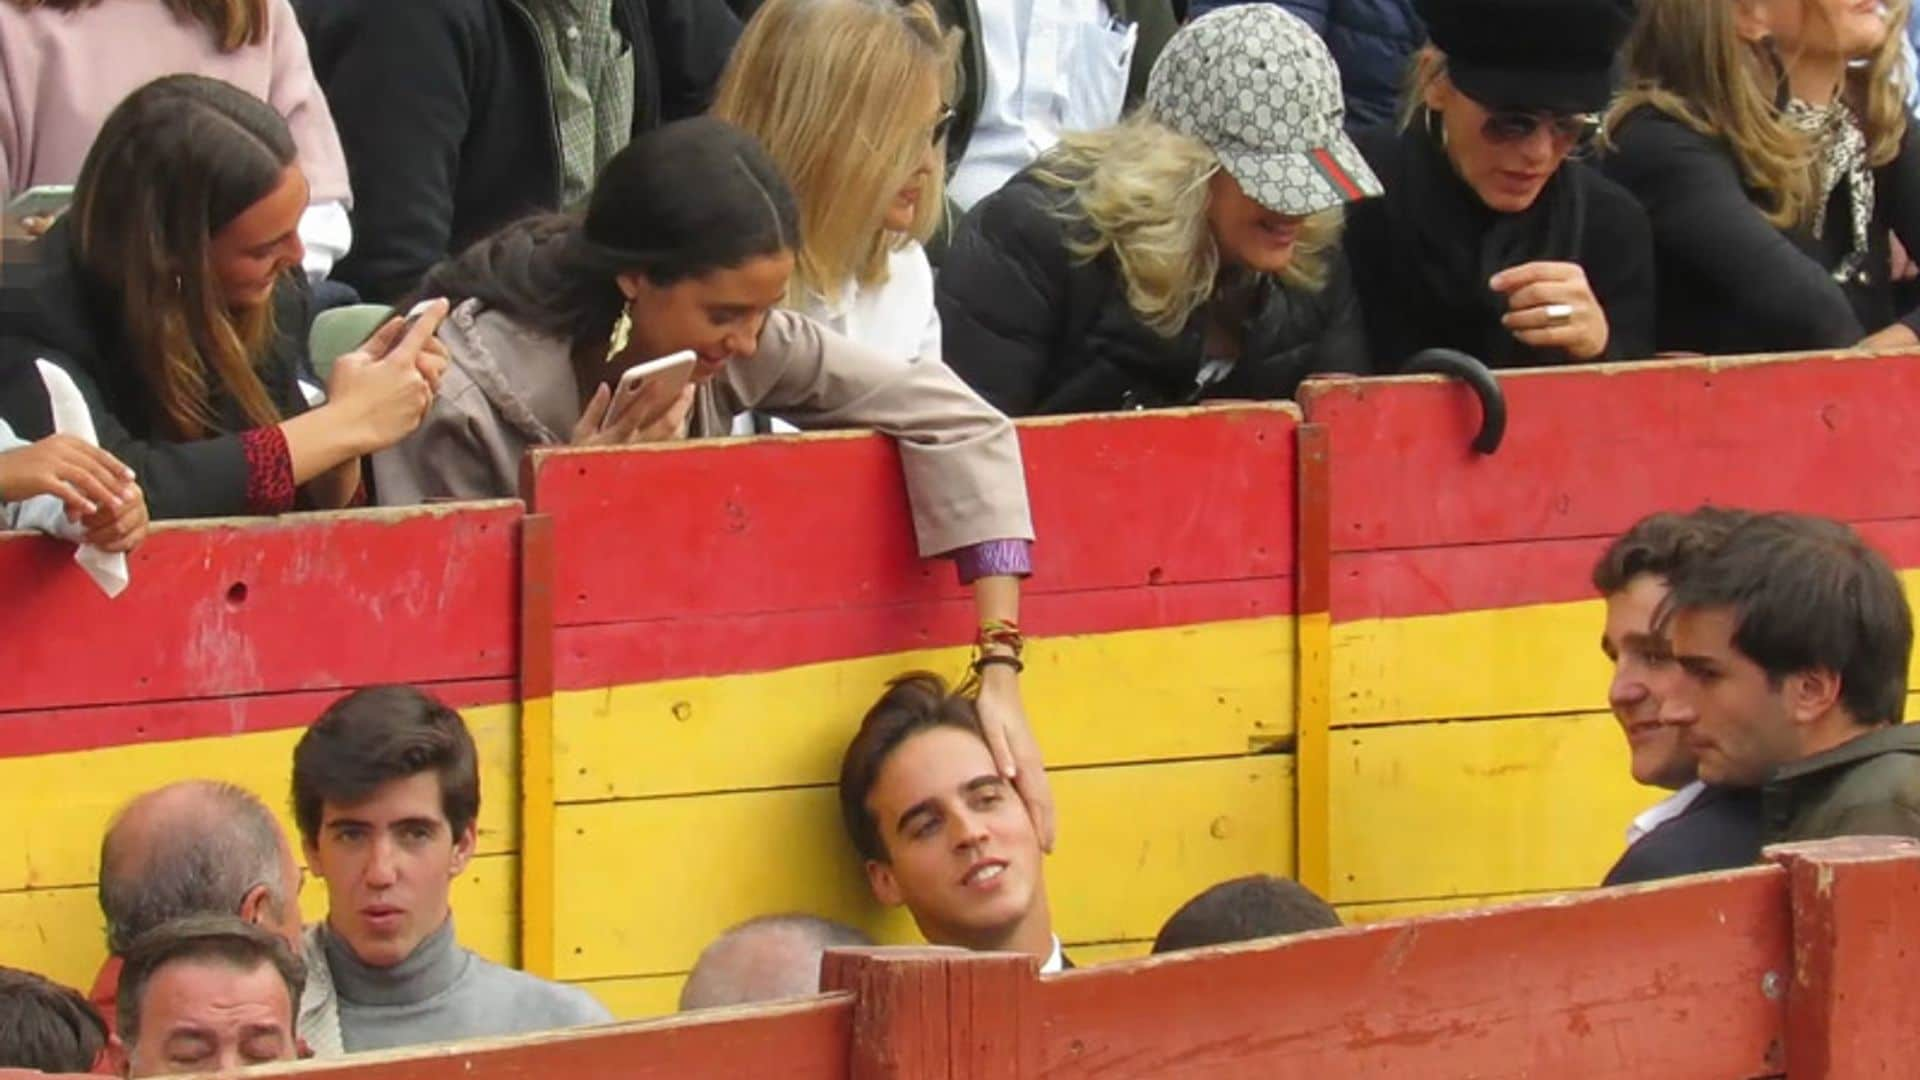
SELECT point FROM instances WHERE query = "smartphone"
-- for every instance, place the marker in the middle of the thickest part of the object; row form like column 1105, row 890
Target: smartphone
column 414, row 313
column 43, row 201
column 675, row 363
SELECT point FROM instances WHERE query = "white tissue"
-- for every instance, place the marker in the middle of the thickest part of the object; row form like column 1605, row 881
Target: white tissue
column 70, row 417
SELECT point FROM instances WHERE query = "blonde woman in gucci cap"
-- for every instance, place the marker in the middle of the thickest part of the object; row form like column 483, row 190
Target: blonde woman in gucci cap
column 1189, row 253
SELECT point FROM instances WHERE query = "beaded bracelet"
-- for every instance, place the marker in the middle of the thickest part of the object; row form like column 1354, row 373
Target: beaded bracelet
column 980, row 664
column 1002, row 632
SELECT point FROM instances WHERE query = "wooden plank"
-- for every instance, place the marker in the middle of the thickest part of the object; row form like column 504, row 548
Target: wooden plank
column 807, row 1040
column 59, row 804
column 925, row 1012
column 60, row 933
column 537, row 753
column 1578, row 444
column 654, row 650
column 1313, row 709
column 1475, row 664
column 224, row 608
column 641, row 998
column 1191, row 691
column 1472, row 809
column 1219, row 481
column 1849, row 1010
column 1619, row 985
column 1119, row 870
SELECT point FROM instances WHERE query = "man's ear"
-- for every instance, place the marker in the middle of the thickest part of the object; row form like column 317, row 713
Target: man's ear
column 311, row 852
column 1811, row 694
column 112, row 1058
column 886, row 888
column 254, row 906
column 463, row 846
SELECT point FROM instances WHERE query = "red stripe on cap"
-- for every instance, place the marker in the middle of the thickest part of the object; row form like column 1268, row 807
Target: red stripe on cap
column 1351, row 189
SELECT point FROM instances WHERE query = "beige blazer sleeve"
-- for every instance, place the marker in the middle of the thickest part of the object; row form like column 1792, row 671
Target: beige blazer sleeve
column 460, row 451
column 961, row 456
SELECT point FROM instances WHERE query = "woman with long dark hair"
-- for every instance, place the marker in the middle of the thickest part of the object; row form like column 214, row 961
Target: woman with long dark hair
column 688, row 243
column 169, row 293
column 1769, row 141
column 69, row 63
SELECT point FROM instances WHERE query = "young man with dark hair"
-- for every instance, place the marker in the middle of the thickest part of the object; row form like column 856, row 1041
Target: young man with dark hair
column 48, row 1027
column 1698, row 827
column 208, row 993
column 1245, row 909
column 1790, row 644
column 941, row 830
column 386, row 790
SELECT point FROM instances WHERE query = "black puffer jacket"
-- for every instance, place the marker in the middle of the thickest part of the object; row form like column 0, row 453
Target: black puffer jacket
column 1035, row 329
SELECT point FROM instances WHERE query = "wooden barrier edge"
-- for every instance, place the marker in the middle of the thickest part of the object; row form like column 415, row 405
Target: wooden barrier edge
column 1313, row 660
column 537, row 811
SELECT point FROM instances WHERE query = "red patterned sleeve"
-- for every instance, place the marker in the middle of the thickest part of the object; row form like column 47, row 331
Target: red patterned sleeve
column 270, row 488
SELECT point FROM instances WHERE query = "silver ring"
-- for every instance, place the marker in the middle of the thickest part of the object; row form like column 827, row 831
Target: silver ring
column 1559, row 314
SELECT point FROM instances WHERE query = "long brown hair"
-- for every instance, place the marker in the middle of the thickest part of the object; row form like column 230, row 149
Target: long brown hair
column 176, row 162
column 843, row 94
column 233, row 23
column 1687, row 59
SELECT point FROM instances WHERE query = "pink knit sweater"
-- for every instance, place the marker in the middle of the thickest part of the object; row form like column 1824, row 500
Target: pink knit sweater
column 62, row 73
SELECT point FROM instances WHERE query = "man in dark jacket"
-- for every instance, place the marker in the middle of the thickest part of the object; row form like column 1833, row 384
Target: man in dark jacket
column 1698, row 827
column 1372, row 42
column 459, row 116
column 1790, row 645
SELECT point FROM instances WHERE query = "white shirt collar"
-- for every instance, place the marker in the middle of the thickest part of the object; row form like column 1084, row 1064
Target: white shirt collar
column 1663, row 811
column 1057, row 962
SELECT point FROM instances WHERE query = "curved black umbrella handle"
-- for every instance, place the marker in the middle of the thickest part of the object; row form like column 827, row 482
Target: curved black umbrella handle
column 1493, row 401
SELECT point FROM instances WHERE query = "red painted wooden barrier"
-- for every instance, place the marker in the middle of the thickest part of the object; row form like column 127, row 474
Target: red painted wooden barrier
column 1798, row 968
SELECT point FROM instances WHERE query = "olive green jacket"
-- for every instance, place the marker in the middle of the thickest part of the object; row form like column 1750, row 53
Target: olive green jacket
column 1867, row 787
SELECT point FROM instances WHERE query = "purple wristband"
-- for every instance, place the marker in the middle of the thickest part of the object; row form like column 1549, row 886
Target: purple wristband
column 992, row 558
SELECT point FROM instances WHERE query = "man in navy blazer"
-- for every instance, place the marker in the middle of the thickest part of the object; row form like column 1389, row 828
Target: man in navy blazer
column 1698, row 827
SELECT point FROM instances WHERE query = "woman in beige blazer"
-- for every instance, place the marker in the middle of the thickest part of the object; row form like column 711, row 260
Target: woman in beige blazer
column 688, row 244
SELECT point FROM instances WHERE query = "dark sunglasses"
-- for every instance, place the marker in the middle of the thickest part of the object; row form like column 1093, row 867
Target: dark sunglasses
column 943, row 125
column 1569, row 130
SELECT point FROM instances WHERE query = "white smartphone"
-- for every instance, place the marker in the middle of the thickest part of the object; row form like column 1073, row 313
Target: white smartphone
column 43, row 201
column 679, row 364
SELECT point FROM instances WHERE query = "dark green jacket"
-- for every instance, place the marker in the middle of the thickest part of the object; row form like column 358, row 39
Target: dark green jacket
column 1155, row 18
column 1867, row 787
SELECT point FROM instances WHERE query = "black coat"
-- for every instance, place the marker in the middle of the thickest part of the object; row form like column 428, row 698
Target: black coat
column 1414, row 302
column 1730, row 282
column 1719, row 830
column 1035, row 329
column 51, row 309
column 444, row 110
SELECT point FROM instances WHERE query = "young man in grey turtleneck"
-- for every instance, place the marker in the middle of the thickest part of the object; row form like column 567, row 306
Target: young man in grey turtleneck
column 386, row 789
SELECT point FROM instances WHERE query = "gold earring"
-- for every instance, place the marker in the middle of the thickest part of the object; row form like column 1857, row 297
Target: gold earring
column 622, row 330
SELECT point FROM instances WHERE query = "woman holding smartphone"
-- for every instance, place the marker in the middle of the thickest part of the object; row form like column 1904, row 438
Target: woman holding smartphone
column 688, row 243
column 171, row 293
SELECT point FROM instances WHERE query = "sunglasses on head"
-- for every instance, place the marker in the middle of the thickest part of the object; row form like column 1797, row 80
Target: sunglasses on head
column 1569, row 130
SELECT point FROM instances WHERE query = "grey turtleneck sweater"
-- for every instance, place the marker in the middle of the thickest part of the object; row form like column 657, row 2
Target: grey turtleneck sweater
column 443, row 992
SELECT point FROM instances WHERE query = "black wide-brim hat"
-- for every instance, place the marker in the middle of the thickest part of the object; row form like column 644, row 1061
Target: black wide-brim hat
column 1531, row 54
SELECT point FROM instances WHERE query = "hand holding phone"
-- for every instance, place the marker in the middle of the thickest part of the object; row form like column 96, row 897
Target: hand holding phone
column 647, row 393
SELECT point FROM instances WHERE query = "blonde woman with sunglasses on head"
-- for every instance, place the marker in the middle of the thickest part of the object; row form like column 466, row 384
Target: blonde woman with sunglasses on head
column 850, row 98
column 1491, row 239
column 1768, row 141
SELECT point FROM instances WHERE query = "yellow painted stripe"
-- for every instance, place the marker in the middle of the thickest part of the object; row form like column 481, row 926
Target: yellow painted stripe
column 537, row 883
column 1363, row 914
column 1314, row 714
column 1109, row 951
column 650, row 882
column 57, row 805
column 1521, row 661
column 1471, row 809
column 640, row 998
column 59, row 933
column 1192, row 691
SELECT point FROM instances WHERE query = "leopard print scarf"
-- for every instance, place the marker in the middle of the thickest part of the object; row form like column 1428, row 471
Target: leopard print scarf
column 1841, row 154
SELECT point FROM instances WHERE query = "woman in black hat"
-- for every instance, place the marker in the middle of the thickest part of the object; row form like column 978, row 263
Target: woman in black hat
column 1768, row 141
column 1490, row 239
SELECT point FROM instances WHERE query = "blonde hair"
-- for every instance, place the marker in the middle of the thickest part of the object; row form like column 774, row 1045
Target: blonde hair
column 1686, row 59
column 1141, row 192
column 842, row 93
